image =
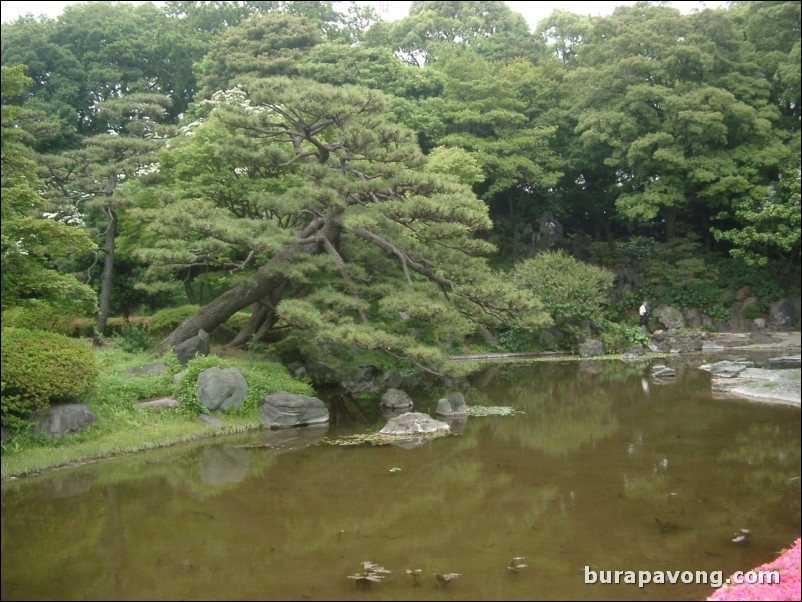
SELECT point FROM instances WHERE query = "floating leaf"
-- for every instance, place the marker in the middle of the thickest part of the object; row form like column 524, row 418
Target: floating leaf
column 447, row 578
column 379, row 438
column 372, row 573
column 492, row 411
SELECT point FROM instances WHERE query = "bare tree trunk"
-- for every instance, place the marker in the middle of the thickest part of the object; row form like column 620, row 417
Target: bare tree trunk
column 671, row 224
column 107, row 276
column 267, row 325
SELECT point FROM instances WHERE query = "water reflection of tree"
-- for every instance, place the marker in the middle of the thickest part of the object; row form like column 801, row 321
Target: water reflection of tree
column 564, row 411
column 37, row 543
column 560, row 426
column 773, row 456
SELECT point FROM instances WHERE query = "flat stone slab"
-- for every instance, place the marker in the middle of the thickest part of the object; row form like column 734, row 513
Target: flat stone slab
column 158, row 404
column 758, row 384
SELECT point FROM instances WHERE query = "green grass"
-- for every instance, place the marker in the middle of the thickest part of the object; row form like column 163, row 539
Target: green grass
column 32, row 458
column 123, row 427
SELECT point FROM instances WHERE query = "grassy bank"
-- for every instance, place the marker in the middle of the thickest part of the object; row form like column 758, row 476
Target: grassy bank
column 124, row 427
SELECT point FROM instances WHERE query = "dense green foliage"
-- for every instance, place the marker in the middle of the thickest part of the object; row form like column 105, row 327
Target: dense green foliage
column 40, row 368
column 573, row 292
column 37, row 315
column 165, row 320
column 317, row 180
column 32, row 242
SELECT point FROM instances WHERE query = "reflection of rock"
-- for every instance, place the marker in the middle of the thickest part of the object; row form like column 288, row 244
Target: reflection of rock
column 409, row 442
column 663, row 371
column 453, row 405
column 284, row 440
column 69, row 485
column 591, row 367
column 220, row 465
column 457, row 424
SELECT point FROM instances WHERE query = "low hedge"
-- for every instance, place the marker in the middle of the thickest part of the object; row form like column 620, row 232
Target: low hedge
column 40, row 368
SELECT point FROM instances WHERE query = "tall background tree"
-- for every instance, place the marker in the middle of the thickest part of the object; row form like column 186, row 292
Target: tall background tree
column 88, row 181
column 643, row 126
column 32, row 242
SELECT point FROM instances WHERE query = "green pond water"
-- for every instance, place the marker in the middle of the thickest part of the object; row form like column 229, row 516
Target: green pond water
column 602, row 468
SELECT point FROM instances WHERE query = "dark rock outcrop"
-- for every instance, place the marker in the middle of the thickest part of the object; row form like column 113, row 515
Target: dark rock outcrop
column 289, row 410
column 395, row 399
column 63, row 420
column 197, row 345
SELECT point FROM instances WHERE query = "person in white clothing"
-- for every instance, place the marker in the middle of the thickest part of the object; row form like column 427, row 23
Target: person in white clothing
column 644, row 314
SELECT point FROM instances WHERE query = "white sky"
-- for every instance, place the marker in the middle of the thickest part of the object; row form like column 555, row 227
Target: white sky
column 533, row 11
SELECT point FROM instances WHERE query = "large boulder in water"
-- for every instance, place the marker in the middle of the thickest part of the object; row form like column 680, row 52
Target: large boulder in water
column 414, row 423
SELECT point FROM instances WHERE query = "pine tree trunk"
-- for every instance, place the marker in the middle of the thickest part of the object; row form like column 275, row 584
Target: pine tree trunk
column 266, row 282
column 106, row 277
column 213, row 314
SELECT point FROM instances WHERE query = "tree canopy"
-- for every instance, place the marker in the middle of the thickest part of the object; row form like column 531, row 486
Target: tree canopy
column 373, row 183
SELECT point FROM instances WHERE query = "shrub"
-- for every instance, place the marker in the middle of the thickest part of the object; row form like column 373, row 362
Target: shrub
column 754, row 311
column 36, row 315
column 617, row 338
column 40, row 368
column 517, row 340
column 134, row 338
column 237, row 321
column 164, row 321
column 573, row 292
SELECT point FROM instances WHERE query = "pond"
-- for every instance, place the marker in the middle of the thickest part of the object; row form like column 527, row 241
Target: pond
column 602, row 468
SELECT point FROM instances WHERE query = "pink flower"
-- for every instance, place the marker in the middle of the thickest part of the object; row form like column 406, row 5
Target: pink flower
column 789, row 587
